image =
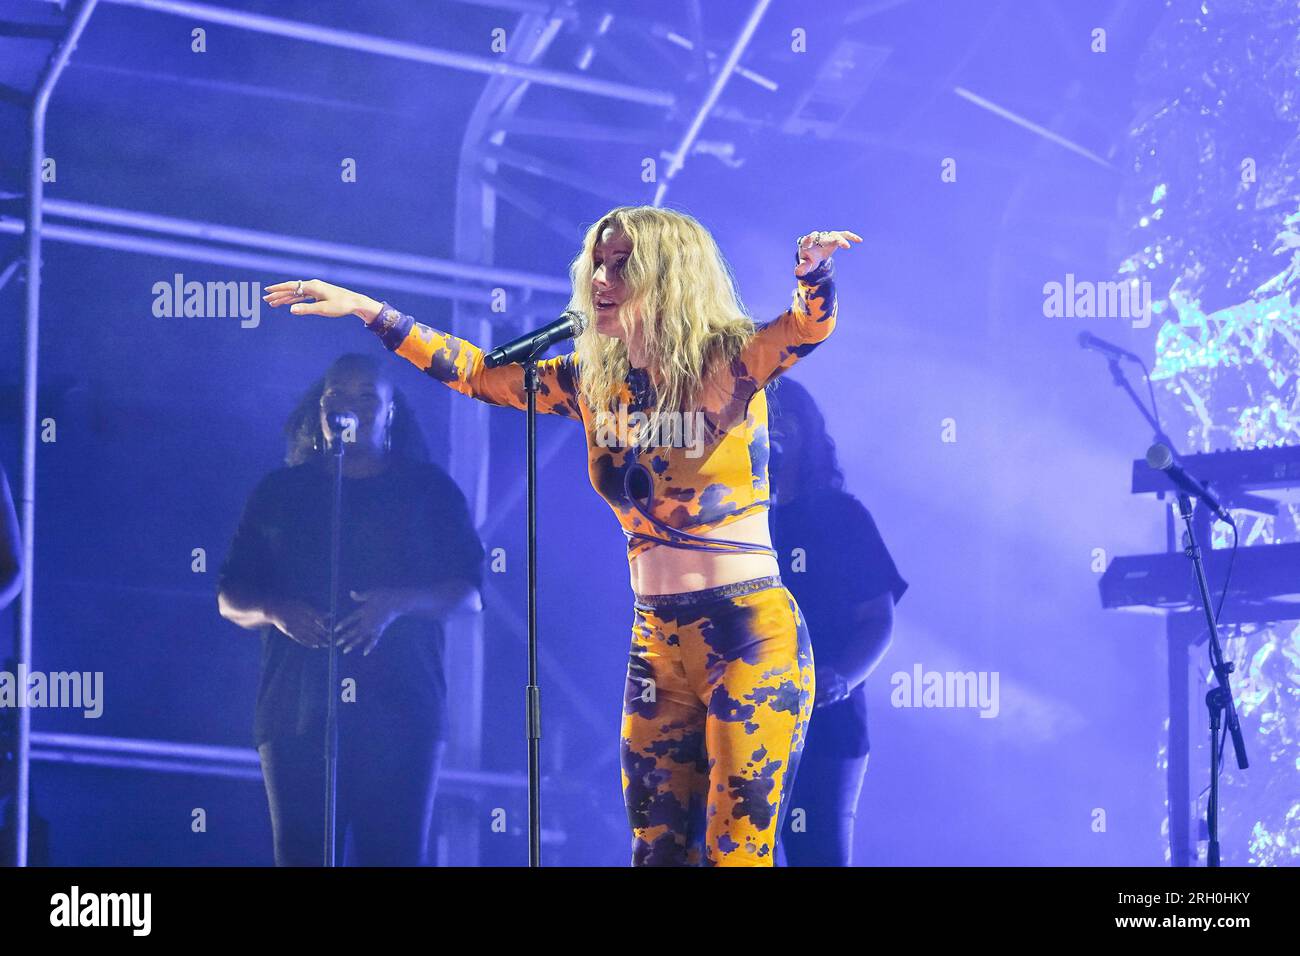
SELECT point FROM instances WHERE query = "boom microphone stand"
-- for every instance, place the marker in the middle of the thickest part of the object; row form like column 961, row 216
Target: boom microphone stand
column 1219, row 698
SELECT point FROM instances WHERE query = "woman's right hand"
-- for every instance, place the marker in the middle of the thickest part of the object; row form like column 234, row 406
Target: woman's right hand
column 330, row 300
column 299, row 622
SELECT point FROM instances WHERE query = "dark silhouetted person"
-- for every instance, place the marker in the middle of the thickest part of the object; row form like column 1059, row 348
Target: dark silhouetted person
column 409, row 557
column 839, row 570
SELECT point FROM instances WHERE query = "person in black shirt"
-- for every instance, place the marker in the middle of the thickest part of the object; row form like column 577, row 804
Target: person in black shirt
column 835, row 563
column 409, row 557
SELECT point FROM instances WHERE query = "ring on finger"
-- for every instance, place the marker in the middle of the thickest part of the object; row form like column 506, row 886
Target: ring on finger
column 298, row 293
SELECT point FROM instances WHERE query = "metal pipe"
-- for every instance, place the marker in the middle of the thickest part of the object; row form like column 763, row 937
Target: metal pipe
column 756, row 78
column 197, row 252
column 678, row 156
column 35, row 193
column 153, row 748
column 203, row 759
column 154, row 764
column 259, row 239
column 1033, row 127
column 381, row 46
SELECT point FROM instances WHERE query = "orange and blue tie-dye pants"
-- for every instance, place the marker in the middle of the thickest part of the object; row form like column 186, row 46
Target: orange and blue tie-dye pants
column 719, row 693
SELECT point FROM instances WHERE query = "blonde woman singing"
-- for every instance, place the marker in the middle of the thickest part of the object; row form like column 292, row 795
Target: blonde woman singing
column 720, row 676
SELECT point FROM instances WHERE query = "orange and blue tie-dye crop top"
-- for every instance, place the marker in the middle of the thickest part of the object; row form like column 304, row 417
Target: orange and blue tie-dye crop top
column 695, row 471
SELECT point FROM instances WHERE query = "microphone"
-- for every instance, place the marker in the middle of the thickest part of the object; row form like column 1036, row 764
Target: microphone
column 340, row 421
column 570, row 324
column 1089, row 341
column 1161, row 458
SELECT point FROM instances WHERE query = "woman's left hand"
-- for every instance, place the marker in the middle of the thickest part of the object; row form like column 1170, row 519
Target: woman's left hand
column 366, row 625
column 818, row 246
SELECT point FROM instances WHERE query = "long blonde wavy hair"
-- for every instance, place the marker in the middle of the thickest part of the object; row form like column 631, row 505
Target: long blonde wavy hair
column 681, row 287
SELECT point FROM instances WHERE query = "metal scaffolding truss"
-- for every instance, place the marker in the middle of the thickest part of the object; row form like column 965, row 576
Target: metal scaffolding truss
column 485, row 177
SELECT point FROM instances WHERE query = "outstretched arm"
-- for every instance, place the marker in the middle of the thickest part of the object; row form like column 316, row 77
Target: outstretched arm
column 780, row 343
column 458, row 364
column 453, row 361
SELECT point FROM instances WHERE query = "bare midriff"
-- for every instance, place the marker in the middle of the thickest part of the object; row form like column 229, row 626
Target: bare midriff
column 664, row 569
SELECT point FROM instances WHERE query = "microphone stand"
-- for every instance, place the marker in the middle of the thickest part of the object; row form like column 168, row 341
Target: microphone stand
column 332, row 696
column 526, row 351
column 533, row 699
column 1219, row 698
